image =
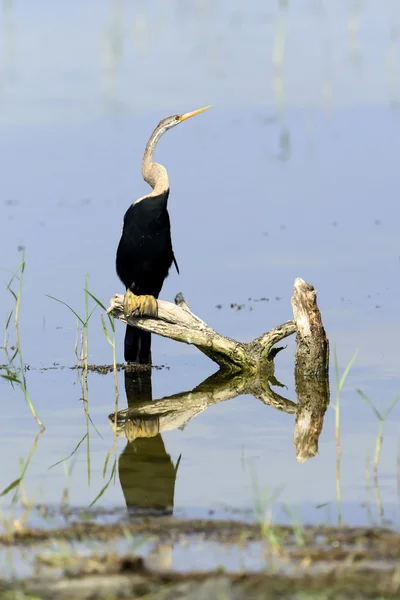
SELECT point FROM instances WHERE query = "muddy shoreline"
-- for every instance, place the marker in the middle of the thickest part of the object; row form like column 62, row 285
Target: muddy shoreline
column 224, row 531
column 134, row 582
column 317, row 562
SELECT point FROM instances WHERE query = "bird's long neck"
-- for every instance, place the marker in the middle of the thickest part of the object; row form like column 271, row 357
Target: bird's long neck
column 154, row 174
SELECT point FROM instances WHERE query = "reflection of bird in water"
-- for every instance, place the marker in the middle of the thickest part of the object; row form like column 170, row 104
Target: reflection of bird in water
column 146, row 472
column 145, row 254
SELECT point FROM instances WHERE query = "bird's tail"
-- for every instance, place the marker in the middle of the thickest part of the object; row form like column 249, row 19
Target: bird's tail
column 137, row 346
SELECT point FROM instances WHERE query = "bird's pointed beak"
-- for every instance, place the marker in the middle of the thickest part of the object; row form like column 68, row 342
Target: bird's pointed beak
column 193, row 113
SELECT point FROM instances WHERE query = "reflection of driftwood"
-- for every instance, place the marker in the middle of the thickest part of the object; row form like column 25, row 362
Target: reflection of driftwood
column 311, row 370
column 176, row 321
column 312, row 402
column 148, row 418
column 252, row 362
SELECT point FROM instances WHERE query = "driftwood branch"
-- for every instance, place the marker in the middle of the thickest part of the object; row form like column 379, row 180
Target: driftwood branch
column 253, row 363
column 177, row 322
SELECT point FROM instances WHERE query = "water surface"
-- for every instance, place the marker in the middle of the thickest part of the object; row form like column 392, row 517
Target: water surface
column 292, row 173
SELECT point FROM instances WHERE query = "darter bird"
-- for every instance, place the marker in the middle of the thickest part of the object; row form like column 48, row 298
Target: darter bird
column 145, row 254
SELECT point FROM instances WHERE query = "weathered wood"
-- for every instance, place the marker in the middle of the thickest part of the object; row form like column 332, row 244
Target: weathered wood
column 148, row 418
column 312, row 402
column 177, row 322
column 311, row 370
column 253, row 363
column 262, row 345
column 312, row 346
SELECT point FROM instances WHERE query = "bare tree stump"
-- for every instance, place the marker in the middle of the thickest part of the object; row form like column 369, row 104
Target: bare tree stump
column 312, row 346
column 311, row 370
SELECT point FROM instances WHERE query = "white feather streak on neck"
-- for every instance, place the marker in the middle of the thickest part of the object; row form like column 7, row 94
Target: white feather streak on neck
column 161, row 183
column 153, row 173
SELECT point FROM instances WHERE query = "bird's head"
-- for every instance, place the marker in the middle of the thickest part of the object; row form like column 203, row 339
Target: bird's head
column 153, row 173
column 170, row 122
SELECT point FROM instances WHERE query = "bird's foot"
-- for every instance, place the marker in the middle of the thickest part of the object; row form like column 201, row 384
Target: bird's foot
column 139, row 428
column 139, row 306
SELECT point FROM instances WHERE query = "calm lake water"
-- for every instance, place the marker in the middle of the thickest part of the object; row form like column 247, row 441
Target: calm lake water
column 293, row 172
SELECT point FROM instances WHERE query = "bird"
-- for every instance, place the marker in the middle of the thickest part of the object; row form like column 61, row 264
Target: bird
column 145, row 254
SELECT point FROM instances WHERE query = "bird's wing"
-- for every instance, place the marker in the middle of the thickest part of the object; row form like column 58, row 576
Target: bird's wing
column 176, row 264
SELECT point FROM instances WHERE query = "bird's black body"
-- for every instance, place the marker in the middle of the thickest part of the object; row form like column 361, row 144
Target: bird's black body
column 145, row 254
column 144, row 257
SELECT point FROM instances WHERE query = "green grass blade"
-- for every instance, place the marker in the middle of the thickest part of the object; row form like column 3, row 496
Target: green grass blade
column 86, row 298
column 90, row 314
column 276, row 493
column 94, row 426
column 88, row 460
column 96, row 300
column 298, row 528
column 12, row 378
column 14, row 276
column 368, row 401
column 14, row 355
column 318, row 506
column 68, row 306
column 10, row 487
column 9, row 319
column 30, row 404
column 391, row 407
column 110, row 317
column 105, row 331
column 103, row 489
column 347, row 369
column 106, row 461
column 24, row 466
column 69, row 456
column 13, row 294
column 335, row 360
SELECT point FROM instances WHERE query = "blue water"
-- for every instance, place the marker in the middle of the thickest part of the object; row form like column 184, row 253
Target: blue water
column 287, row 175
